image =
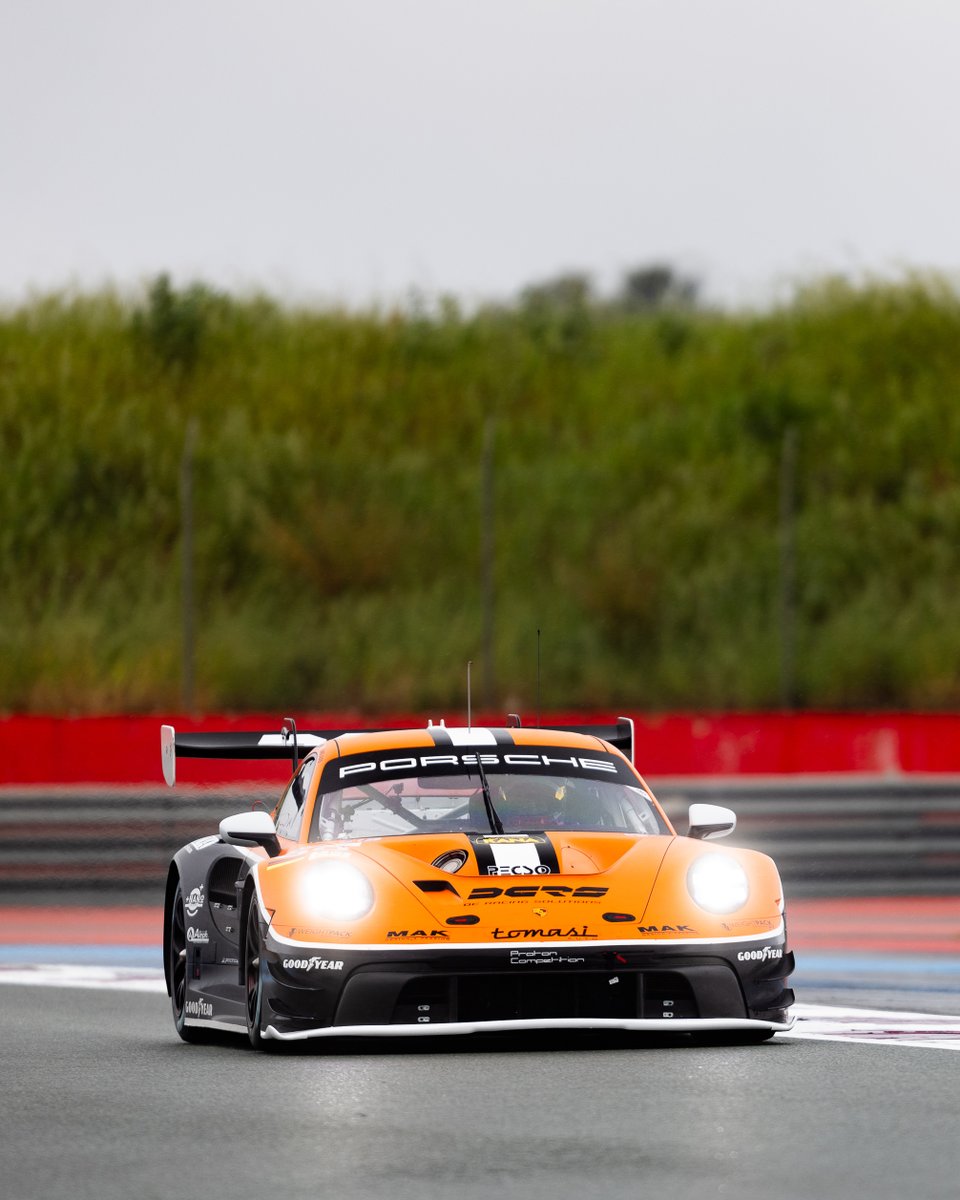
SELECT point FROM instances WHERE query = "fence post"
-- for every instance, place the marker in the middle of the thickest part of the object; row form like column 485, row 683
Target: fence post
column 788, row 567
column 186, row 567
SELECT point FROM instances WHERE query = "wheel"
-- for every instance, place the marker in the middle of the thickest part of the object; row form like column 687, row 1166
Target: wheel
column 254, row 976
column 177, row 951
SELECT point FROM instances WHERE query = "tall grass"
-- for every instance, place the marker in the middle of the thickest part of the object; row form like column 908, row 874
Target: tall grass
column 337, row 479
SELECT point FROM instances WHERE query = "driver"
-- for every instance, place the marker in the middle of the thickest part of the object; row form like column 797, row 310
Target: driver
column 530, row 802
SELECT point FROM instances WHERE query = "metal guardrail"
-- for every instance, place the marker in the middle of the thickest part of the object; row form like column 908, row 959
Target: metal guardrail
column 896, row 835
column 838, row 836
column 104, row 843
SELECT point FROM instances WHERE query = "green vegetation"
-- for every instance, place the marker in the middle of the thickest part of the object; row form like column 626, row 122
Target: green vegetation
column 337, row 493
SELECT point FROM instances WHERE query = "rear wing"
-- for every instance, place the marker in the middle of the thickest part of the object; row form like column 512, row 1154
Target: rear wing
column 292, row 744
column 288, row 743
column 620, row 735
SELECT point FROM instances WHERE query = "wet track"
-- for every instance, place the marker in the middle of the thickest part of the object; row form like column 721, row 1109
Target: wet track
column 100, row 1099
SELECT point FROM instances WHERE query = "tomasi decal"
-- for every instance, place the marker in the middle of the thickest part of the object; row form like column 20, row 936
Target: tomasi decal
column 581, row 931
column 515, row 854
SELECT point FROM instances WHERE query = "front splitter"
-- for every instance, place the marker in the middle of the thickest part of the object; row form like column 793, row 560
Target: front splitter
column 464, row 1028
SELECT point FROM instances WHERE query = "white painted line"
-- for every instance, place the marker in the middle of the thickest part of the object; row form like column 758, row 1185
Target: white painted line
column 873, row 1026
column 121, row 979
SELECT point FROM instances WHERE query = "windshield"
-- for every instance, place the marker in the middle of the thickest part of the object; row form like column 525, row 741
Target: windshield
column 455, row 804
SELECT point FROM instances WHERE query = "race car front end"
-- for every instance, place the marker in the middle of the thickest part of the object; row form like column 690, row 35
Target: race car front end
column 431, row 987
column 464, row 954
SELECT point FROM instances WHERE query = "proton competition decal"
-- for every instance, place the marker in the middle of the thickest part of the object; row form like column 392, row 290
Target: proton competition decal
column 515, row 854
column 194, row 902
column 543, row 958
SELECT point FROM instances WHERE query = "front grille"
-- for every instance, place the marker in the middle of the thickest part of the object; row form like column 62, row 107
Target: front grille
column 518, row 996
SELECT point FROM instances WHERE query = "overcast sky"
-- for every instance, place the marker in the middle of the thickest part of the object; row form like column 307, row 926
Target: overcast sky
column 354, row 150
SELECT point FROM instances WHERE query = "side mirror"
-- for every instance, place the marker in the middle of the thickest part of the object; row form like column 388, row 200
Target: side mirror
column 711, row 821
column 257, row 827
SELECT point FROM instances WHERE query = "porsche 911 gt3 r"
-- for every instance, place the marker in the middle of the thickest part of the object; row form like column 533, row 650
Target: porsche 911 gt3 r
column 448, row 880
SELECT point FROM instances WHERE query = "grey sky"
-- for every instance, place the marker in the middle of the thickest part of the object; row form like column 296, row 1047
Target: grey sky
column 350, row 150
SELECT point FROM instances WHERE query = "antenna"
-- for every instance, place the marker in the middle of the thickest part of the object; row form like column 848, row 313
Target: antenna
column 469, row 706
column 539, row 722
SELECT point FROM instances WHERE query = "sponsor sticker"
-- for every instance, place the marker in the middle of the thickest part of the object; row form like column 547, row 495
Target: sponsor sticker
column 194, row 902
column 198, row 1008
column 417, row 934
column 409, row 763
column 202, row 843
column 581, row 932
column 557, row 891
column 510, row 839
column 315, row 963
column 749, row 923
column 303, row 931
column 764, row 954
column 543, row 958
column 199, row 937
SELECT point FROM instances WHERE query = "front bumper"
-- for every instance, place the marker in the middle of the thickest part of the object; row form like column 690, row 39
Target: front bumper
column 416, row 991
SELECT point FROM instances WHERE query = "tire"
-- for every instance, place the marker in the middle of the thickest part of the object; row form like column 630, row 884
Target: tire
column 177, row 960
column 253, row 972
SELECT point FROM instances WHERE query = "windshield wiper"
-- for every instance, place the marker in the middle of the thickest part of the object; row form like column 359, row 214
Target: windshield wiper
column 495, row 823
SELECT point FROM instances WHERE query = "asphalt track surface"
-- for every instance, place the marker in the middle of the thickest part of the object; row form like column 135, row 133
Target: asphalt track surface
column 101, row 1099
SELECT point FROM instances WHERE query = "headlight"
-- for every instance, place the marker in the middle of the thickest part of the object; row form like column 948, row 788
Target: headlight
column 718, row 884
column 336, row 891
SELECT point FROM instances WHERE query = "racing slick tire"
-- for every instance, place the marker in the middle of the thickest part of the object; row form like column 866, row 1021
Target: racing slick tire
column 177, row 962
column 253, row 974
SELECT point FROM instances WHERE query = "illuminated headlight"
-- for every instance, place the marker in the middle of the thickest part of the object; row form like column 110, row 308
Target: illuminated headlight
column 337, row 892
column 718, row 884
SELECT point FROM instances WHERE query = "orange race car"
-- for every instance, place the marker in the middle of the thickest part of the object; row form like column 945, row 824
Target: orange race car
column 460, row 880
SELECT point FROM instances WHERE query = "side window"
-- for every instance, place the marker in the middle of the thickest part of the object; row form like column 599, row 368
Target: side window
column 290, row 813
